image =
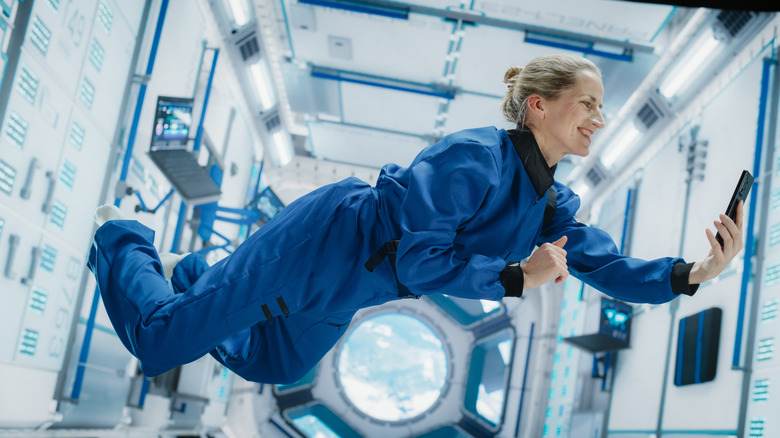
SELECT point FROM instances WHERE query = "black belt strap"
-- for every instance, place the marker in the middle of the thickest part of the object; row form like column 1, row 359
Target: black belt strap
column 381, row 254
column 549, row 209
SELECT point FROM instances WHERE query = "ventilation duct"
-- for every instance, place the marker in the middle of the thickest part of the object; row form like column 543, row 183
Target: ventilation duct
column 248, row 46
column 649, row 114
column 595, row 176
column 731, row 23
column 272, row 122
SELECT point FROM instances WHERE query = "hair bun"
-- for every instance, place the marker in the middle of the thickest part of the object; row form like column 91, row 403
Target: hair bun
column 510, row 77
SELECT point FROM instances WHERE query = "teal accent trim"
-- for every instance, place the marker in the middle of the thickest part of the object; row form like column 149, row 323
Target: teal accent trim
column 287, row 26
column 664, row 24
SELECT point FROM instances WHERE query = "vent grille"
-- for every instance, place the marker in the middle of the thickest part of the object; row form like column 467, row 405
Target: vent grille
column 40, row 35
column 105, row 16
column 766, row 349
column 7, row 177
column 87, row 94
column 48, row 258
column 96, row 54
column 55, row 4
column 761, row 390
column 595, row 176
column 769, row 310
column 77, row 133
column 29, row 342
column 772, row 275
column 757, row 427
column 58, row 212
column 248, row 47
column 774, row 235
column 734, row 21
column 38, row 300
column 28, row 84
column 68, row 174
column 649, row 114
column 272, row 123
column 16, row 130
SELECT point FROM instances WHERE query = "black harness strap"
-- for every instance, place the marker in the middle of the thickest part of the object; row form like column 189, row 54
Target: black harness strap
column 391, row 246
column 549, row 209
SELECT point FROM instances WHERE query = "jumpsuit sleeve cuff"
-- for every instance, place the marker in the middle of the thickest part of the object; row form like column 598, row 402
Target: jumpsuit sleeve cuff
column 680, row 285
column 512, row 279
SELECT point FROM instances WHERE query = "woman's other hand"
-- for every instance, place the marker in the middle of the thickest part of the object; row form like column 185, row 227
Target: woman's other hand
column 546, row 263
column 720, row 257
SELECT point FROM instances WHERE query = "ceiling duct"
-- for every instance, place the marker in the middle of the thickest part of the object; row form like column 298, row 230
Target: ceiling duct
column 595, row 176
column 649, row 114
column 248, row 46
column 272, row 122
column 731, row 22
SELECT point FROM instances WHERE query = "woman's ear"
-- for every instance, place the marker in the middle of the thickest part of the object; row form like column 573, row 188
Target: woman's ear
column 536, row 106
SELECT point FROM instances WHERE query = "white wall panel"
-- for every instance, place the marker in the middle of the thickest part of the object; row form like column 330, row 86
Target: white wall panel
column 636, row 392
column 638, row 383
column 473, row 111
column 602, row 18
column 32, row 136
column 58, row 36
column 363, row 146
column 380, row 46
column 17, row 240
column 31, row 402
column 487, row 52
column 389, row 109
column 685, row 407
column 731, row 137
column 106, row 67
column 80, row 171
column 52, row 298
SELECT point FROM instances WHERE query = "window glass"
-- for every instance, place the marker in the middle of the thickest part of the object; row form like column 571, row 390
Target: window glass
column 392, row 367
column 491, row 360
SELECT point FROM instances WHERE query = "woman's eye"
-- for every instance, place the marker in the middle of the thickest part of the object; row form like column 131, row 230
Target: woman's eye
column 587, row 104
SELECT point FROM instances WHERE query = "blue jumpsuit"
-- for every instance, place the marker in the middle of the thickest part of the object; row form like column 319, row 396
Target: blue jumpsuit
column 466, row 207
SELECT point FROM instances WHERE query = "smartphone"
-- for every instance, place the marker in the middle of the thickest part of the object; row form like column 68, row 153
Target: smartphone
column 740, row 194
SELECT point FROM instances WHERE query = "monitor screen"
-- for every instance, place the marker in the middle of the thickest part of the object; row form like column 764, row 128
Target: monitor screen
column 615, row 320
column 172, row 121
column 268, row 204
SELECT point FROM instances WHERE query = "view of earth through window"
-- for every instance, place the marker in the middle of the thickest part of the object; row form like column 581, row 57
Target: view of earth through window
column 393, row 367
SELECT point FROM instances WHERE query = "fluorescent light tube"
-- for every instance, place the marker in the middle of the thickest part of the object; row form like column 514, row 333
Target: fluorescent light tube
column 580, row 188
column 283, row 147
column 691, row 63
column 262, row 82
column 617, row 148
column 238, row 11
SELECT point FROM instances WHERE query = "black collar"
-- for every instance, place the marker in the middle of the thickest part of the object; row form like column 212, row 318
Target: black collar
column 534, row 162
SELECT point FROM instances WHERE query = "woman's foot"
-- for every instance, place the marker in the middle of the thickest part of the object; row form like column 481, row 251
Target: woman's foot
column 169, row 261
column 108, row 212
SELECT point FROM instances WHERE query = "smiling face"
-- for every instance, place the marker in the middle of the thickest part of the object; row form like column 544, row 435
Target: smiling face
column 566, row 125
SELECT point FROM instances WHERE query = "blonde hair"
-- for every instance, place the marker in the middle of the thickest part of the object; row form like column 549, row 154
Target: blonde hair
column 546, row 76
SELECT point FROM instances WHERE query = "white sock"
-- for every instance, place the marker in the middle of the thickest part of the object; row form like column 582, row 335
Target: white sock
column 169, row 261
column 108, row 212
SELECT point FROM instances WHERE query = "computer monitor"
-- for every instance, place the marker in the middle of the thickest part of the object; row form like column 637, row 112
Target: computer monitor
column 172, row 121
column 614, row 328
column 268, row 204
column 615, row 320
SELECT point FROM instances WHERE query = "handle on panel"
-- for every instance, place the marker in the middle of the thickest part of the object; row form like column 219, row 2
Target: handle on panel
column 13, row 243
column 27, row 187
column 47, row 204
column 35, row 260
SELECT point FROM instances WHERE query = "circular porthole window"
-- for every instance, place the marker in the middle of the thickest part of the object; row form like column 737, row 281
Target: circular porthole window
column 392, row 367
